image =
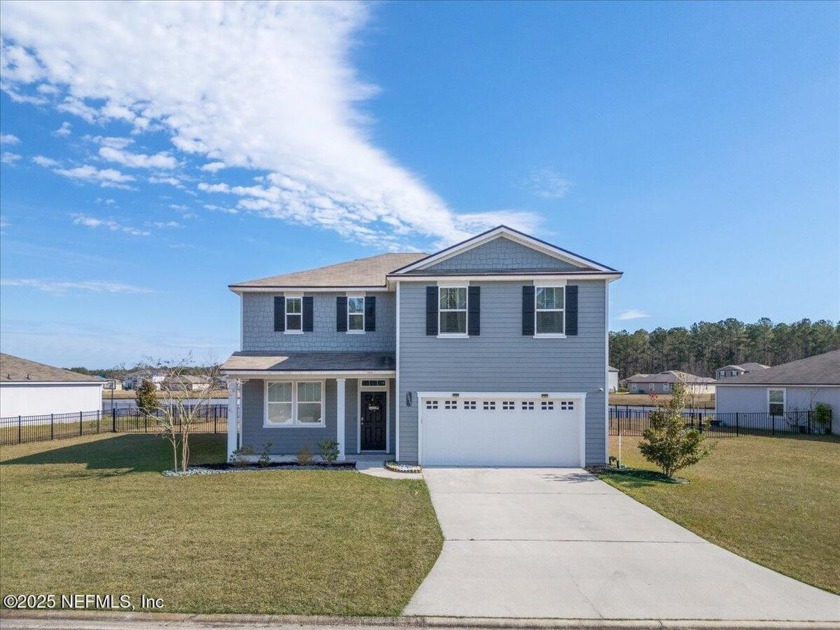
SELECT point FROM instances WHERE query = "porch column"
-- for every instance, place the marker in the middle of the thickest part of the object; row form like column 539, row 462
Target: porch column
column 233, row 416
column 341, row 418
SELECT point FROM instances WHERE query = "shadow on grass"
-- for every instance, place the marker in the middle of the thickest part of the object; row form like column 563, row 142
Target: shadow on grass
column 124, row 454
column 638, row 478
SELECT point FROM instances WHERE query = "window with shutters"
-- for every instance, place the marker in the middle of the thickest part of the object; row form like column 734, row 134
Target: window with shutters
column 452, row 310
column 355, row 314
column 294, row 314
column 549, row 310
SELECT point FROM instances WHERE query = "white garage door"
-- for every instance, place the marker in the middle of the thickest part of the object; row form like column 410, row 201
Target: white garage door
column 501, row 430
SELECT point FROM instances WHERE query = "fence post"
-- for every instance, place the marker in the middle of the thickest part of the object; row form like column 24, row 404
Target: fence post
column 98, row 419
column 772, row 424
column 809, row 422
column 80, row 423
column 737, row 423
column 113, row 419
column 20, row 423
column 52, row 426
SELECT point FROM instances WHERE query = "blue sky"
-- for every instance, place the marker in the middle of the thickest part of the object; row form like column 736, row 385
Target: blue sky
column 154, row 154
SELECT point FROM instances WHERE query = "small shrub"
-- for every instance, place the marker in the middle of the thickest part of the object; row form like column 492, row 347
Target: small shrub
column 822, row 413
column 667, row 442
column 329, row 450
column 304, row 456
column 265, row 456
column 241, row 456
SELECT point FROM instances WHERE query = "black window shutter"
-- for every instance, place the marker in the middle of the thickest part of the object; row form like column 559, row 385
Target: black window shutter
column 307, row 314
column 474, row 311
column 279, row 313
column 341, row 314
column 370, row 314
column 432, row 311
column 528, row 310
column 571, row 309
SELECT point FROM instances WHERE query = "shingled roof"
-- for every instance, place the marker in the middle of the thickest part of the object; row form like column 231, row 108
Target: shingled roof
column 362, row 272
column 17, row 370
column 823, row 369
column 671, row 376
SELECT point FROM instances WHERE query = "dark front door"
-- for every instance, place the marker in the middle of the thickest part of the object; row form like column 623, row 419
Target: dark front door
column 373, row 421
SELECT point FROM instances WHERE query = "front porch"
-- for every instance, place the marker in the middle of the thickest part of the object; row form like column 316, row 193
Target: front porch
column 278, row 407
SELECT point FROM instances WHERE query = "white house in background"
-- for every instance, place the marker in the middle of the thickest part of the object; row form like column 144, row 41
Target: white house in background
column 613, row 378
column 728, row 371
column 795, row 386
column 663, row 383
column 134, row 381
column 28, row 388
column 186, row 383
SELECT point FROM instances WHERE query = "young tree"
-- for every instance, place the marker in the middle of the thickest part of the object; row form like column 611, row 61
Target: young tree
column 186, row 392
column 667, row 442
column 146, row 397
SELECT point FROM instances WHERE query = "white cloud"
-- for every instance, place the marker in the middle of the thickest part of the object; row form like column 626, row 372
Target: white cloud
column 8, row 138
column 167, row 224
column 138, row 160
column 107, row 177
column 172, row 181
column 213, row 167
column 52, row 286
column 106, row 200
column 110, row 224
column 44, row 161
column 64, row 130
column 9, row 158
column 264, row 86
column 632, row 314
column 548, row 184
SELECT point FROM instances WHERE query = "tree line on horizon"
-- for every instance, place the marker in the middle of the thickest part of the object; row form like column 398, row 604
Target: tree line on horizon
column 704, row 347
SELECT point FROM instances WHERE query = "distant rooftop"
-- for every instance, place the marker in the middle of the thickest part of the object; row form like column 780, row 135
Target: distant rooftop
column 17, row 370
column 671, row 376
column 823, row 369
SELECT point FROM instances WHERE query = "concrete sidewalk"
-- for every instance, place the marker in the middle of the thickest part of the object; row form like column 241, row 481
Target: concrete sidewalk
column 559, row 543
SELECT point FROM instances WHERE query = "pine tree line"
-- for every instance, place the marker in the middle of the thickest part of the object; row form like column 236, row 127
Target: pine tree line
column 706, row 346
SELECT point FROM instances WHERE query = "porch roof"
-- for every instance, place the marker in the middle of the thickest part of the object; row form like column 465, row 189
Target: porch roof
column 323, row 362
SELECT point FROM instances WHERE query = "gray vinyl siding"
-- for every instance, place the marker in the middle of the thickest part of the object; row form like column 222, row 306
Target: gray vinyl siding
column 258, row 334
column 501, row 254
column 753, row 399
column 502, row 359
column 289, row 440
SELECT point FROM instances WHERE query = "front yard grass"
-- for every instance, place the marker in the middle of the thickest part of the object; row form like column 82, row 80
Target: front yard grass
column 773, row 500
column 94, row 515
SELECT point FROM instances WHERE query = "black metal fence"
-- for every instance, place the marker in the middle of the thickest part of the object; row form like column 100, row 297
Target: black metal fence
column 629, row 421
column 56, row 426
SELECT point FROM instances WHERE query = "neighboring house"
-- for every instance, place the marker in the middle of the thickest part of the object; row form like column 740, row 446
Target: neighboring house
column 185, row 382
column 490, row 352
column 794, row 386
column 663, row 383
column 111, row 384
column 28, row 388
column 625, row 382
column 612, row 379
column 728, row 371
column 135, row 381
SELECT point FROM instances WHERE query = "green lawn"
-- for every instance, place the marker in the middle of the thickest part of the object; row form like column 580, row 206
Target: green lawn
column 773, row 500
column 94, row 515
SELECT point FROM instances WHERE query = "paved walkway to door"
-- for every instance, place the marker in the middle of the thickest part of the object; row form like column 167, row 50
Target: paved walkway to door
column 560, row 543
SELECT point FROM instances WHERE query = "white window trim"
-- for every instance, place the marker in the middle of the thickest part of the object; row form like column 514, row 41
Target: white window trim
column 557, row 284
column 784, row 399
column 364, row 306
column 466, row 310
column 296, row 296
column 295, row 424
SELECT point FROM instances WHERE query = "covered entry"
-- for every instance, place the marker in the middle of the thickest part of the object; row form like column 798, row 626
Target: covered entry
column 501, row 429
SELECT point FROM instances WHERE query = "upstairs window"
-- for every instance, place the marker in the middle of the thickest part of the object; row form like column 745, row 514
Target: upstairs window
column 355, row 314
column 452, row 310
column 294, row 313
column 549, row 310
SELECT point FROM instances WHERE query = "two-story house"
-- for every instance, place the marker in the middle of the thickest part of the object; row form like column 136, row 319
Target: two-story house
column 490, row 352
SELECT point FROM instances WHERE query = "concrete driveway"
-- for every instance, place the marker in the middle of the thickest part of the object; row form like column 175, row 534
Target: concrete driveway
column 559, row 543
